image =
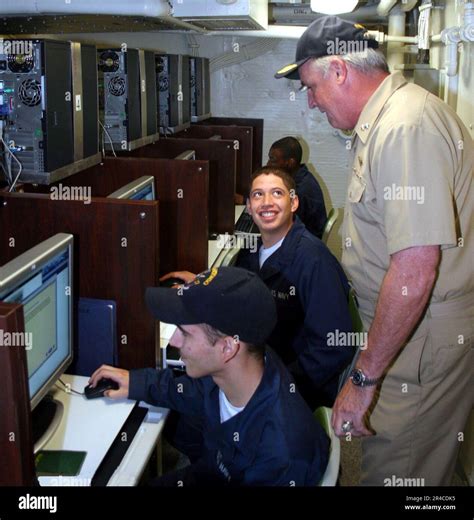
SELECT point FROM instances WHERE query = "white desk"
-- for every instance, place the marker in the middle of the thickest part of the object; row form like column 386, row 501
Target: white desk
column 92, row 425
column 213, row 246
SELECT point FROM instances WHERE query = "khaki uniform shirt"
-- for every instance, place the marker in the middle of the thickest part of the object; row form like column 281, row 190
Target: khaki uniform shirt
column 411, row 185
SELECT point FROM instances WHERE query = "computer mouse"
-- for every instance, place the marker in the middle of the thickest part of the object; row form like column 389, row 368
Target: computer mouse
column 102, row 386
column 171, row 281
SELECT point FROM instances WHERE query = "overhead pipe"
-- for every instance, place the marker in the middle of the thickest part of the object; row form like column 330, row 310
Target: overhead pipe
column 298, row 14
column 452, row 36
column 408, row 5
column 385, row 7
column 396, row 27
column 382, row 37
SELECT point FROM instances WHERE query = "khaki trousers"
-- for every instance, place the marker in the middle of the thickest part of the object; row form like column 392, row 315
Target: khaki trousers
column 424, row 402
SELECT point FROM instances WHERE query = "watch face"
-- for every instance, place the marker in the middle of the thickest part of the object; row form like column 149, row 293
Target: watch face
column 357, row 377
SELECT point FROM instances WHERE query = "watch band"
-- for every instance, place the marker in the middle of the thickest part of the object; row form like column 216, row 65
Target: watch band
column 358, row 378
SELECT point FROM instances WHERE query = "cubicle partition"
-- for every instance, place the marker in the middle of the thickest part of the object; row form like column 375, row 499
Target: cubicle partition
column 183, row 226
column 222, row 159
column 16, row 441
column 242, row 139
column 182, row 187
column 256, row 124
column 115, row 256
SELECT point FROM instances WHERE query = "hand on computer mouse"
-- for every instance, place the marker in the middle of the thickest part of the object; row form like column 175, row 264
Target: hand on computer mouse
column 118, row 376
column 180, row 277
column 102, row 386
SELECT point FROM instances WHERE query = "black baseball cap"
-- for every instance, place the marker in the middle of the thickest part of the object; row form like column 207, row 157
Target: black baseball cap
column 328, row 35
column 230, row 299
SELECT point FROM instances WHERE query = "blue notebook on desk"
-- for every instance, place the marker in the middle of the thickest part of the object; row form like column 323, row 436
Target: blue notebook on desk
column 97, row 335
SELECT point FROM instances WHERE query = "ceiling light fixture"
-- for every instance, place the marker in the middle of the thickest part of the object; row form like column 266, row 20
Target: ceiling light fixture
column 333, row 6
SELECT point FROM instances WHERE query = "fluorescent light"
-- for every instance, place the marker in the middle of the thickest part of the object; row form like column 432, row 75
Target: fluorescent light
column 333, row 6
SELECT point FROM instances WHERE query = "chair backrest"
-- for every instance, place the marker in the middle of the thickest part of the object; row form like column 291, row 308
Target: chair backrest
column 231, row 257
column 323, row 416
column 357, row 326
column 332, row 219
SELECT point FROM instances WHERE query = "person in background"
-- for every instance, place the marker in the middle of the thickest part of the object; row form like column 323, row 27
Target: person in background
column 408, row 250
column 286, row 154
column 256, row 429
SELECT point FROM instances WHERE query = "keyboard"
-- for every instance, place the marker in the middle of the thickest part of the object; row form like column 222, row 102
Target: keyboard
column 245, row 224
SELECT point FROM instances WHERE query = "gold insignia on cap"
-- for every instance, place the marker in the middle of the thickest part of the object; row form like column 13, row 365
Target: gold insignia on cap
column 288, row 68
column 358, row 26
column 211, row 277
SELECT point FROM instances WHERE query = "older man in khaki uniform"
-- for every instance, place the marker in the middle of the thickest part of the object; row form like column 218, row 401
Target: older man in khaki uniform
column 408, row 249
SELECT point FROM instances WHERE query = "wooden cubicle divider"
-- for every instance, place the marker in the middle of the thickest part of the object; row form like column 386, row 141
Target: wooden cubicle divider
column 182, row 187
column 222, row 173
column 115, row 256
column 183, row 228
column 241, row 136
column 256, row 124
column 16, row 440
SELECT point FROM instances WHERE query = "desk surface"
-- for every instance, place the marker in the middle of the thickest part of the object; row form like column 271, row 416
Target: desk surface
column 92, row 425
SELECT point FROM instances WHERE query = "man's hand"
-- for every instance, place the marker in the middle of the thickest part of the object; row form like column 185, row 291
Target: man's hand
column 119, row 375
column 352, row 404
column 405, row 291
column 186, row 276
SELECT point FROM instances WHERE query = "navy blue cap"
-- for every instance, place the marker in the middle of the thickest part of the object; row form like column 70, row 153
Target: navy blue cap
column 230, row 299
column 326, row 36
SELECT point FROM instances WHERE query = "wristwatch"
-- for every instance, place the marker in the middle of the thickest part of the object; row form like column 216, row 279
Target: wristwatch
column 358, row 378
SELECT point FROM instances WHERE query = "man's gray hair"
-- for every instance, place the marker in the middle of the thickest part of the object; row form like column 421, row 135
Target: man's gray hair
column 367, row 61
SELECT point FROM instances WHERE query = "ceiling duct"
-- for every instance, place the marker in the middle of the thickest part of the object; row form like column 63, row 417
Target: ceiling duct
column 82, row 16
column 147, row 8
column 223, row 15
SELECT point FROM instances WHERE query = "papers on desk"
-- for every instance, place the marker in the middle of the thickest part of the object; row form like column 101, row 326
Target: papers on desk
column 88, row 425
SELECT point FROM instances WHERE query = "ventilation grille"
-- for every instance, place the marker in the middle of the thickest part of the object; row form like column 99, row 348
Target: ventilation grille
column 30, row 92
column 109, row 61
column 117, row 86
column 163, row 83
column 20, row 63
column 210, row 24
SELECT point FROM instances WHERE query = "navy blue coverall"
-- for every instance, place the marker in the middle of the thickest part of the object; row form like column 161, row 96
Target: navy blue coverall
column 274, row 441
column 311, row 294
column 311, row 209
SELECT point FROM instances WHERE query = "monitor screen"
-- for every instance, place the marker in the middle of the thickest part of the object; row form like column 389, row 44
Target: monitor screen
column 139, row 189
column 187, row 155
column 41, row 279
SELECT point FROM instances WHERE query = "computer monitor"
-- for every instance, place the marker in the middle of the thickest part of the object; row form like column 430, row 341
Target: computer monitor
column 187, row 155
column 142, row 188
column 41, row 280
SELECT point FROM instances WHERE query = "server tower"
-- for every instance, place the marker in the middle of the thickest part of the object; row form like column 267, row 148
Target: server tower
column 90, row 102
column 36, row 100
column 149, row 101
column 173, row 82
column 119, row 97
column 200, row 89
column 127, row 94
column 42, row 103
